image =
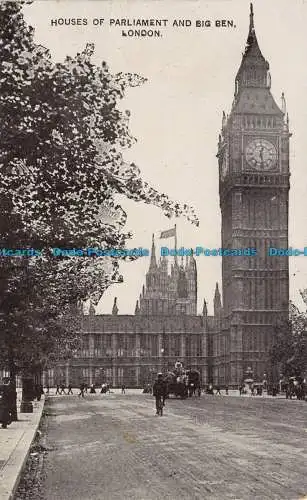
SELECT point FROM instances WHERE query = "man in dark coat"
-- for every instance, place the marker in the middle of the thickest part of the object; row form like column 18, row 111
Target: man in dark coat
column 92, row 389
column 5, row 405
column 38, row 391
column 81, row 393
column 159, row 391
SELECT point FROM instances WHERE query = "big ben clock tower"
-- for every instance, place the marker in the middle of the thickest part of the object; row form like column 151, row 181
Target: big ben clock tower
column 253, row 157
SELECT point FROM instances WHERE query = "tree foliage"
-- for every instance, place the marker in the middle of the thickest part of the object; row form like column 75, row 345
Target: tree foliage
column 62, row 142
column 289, row 350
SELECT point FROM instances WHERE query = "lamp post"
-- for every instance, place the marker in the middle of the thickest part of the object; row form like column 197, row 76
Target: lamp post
column 152, row 372
column 162, row 353
column 163, row 349
column 249, row 378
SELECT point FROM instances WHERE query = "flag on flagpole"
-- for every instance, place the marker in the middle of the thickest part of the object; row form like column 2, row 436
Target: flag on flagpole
column 169, row 233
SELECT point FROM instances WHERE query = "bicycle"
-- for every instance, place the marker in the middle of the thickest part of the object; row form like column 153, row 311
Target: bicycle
column 160, row 405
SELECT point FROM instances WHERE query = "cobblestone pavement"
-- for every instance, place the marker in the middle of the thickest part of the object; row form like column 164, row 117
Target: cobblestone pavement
column 113, row 447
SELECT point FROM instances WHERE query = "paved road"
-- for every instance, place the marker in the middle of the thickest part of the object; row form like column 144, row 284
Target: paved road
column 113, row 447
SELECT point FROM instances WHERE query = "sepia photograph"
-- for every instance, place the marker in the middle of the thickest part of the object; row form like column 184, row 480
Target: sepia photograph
column 153, row 257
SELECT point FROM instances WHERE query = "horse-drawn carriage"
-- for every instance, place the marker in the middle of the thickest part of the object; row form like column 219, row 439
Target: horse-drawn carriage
column 183, row 383
column 176, row 384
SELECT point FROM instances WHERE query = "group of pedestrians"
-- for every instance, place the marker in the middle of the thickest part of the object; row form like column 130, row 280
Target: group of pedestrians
column 210, row 390
column 63, row 390
column 84, row 388
column 8, row 399
column 60, row 389
column 254, row 390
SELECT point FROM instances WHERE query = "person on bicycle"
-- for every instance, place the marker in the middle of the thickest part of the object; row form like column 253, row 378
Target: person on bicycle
column 159, row 391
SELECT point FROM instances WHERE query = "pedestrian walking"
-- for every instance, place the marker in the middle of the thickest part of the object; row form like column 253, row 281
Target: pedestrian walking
column 123, row 389
column 57, row 389
column 218, row 390
column 62, row 389
column 160, row 393
column 38, row 389
column 226, row 390
column 12, row 397
column 69, row 389
column 81, row 393
column 5, row 405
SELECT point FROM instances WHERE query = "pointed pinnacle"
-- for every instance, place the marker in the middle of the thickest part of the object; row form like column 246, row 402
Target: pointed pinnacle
column 251, row 17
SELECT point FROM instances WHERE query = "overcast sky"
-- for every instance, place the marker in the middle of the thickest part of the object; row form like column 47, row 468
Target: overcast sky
column 176, row 115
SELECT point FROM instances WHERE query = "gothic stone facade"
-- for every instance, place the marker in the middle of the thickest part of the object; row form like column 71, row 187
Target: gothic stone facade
column 253, row 161
column 253, row 158
column 131, row 349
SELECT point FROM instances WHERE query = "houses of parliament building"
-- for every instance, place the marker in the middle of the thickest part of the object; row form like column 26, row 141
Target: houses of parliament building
column 253, row 166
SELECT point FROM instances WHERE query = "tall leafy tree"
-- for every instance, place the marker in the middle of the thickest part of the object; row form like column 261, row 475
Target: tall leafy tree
column 62, row 142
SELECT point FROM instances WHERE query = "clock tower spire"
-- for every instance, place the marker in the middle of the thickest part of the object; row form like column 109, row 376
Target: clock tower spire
column 254, row 69
column 253, row 159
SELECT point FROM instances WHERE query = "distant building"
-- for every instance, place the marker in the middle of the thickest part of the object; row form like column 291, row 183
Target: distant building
column 253, row 160
column 131, row 349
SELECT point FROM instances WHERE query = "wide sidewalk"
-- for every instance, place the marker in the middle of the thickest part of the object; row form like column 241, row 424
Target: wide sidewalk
column 15, row 443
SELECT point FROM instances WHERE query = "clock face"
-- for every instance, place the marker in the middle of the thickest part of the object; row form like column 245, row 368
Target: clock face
column 261, row 154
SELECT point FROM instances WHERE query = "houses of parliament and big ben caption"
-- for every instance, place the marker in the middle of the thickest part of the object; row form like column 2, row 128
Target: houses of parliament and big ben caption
column 253, row 165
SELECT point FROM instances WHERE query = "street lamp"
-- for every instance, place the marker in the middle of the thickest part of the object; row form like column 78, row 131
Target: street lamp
column 163, row 348
column 162, row 352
